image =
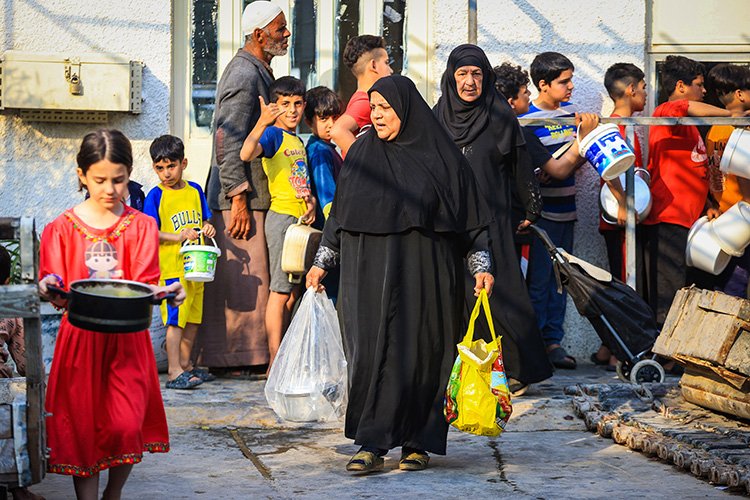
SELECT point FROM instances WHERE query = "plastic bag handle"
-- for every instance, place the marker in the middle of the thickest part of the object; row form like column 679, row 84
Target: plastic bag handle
column 483, row 302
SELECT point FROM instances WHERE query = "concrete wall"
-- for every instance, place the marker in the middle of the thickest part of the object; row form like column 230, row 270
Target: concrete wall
column 594, row 35
column 37, row 160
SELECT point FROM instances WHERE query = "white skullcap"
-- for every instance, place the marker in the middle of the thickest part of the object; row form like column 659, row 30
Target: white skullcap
column 258, row 14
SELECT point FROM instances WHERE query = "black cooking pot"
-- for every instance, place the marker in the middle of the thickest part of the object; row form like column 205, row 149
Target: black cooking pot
column 110, row 306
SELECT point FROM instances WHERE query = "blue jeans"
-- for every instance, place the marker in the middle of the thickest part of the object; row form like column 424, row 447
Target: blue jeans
column 549, row 305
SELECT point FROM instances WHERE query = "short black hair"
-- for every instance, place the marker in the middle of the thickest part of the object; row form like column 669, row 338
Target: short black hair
column 167, row 147
column 4, row 265
column 679, row 69
column 322, row 102
column 510, row 79
column 549, row 65
column 619, row 76
column 286, row 86
column 358, row 45
column 725, row 78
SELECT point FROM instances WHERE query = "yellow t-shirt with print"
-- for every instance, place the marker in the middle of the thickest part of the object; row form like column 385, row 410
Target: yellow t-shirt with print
column 285, row 164
column 175, row 210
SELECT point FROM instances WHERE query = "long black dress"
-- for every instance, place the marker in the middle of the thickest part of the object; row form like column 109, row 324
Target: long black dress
column 406, row 214
column 488, row 133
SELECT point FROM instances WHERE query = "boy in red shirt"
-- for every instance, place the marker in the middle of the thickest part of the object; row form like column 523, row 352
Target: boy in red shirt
column 678, row 164
column 367, row 59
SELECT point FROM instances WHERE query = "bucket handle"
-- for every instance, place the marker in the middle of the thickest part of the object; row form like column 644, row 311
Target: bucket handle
column 201, row 237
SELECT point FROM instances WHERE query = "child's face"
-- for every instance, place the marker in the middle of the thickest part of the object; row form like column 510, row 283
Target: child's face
column 293, row 106
column 520, row 103
column 321, row 127
column 170, row 171
column 561, row 88
column 638, row 96
column 693, row 91
column 106, row 182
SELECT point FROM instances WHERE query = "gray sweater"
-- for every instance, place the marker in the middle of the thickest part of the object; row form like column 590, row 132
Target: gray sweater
column 237, row 110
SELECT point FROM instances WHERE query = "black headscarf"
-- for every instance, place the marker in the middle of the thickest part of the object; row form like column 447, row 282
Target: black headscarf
column 417, row 180
column 463, row 120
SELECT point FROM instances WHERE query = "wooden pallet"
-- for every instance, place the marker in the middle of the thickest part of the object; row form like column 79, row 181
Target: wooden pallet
column 709, row 333
column 23, row 452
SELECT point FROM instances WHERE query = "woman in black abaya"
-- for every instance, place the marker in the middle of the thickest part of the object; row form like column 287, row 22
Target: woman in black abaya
column 481, row 123
column 406, row 214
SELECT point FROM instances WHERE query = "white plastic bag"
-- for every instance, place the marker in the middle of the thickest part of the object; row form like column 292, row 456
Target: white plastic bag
column 308, row 379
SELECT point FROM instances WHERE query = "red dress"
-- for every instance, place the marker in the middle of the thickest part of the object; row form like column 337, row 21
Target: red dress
column 103, row 393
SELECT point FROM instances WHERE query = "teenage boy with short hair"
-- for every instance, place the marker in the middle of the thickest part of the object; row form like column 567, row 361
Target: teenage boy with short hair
column 274, row 139
column 678, row 165
column 366, row 57
column 552, row 74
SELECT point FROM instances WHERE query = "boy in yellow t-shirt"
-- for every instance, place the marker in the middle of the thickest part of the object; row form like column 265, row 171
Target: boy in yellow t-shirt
column 284, row 160
column 731, row 83
column 180, row 210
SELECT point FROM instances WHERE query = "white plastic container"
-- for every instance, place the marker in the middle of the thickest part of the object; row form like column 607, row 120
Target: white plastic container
column 703, row 251
column 609, row 206
column 607, row 151
column 736, row 156
column 732, row 229
column 199, row 261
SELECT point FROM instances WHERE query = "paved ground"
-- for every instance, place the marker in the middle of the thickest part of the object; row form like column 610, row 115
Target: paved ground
column 227, row 444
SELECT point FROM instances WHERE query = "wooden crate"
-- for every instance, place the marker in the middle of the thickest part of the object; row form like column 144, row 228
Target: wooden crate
column 709, row 333
column 23, row 452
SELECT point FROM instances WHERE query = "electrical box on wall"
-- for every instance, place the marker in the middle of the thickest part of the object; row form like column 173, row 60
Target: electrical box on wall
column 78, row 83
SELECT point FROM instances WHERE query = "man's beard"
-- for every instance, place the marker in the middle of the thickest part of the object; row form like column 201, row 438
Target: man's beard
column 274, row 48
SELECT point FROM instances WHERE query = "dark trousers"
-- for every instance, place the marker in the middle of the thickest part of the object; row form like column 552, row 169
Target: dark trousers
column 664, row 266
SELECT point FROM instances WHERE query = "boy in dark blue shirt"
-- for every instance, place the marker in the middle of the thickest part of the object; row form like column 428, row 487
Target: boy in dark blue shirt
column 323, row 161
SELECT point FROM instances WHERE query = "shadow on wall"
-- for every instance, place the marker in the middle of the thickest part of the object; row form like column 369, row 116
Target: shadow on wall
column 37, row 159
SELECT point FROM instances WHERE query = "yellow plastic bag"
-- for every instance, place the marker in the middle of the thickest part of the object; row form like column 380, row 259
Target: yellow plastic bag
column 477, row 399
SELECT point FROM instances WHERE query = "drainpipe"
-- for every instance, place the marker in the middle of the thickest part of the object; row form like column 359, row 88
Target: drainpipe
column 473, row 21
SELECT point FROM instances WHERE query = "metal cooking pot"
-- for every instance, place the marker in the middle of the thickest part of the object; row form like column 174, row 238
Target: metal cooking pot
column 110, row 306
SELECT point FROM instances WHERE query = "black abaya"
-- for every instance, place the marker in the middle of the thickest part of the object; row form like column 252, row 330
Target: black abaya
column 406, row 214
column 491, row 139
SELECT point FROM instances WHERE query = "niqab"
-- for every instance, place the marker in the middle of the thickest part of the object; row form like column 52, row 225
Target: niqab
column 418, row 180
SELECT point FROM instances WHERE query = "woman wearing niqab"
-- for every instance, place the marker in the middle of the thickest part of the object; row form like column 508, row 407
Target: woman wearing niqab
column 487, row 131
column 405, row 216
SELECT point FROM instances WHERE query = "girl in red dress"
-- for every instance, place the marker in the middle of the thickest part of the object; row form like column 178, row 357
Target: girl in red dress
column 103, row 395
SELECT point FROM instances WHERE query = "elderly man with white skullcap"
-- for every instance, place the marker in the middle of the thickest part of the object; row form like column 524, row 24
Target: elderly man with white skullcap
column 233, row 333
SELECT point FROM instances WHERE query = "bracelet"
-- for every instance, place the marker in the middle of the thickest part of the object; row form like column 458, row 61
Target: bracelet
column 59, row 278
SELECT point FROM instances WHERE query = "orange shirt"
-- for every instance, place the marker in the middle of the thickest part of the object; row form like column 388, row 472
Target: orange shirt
column 678, row 164
column 716, row 141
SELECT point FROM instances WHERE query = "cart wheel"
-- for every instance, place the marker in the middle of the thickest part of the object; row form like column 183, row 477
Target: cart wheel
column 647, row 370
column 623, row 371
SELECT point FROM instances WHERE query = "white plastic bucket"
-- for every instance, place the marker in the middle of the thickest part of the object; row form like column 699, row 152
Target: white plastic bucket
column 736, row 156
column 703, row 251
column 732, row 229
column 607, row 151
column 609, row 206
column 199, row 261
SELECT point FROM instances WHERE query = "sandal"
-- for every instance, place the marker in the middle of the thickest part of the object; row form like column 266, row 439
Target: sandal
column 365, row 461
column 203, row 375
column 184, row 381
column 598, row 362
column 413, row 460
column 516, row 387
column 561, row 359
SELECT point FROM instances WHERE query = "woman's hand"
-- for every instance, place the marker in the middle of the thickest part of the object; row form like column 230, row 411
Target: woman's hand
column 176, row 288
column 483, row 281
column 314, row 276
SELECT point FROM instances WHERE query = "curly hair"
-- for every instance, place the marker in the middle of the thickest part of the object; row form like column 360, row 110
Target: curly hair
column 679, row 69
column 510, row 79
column 359, row 45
